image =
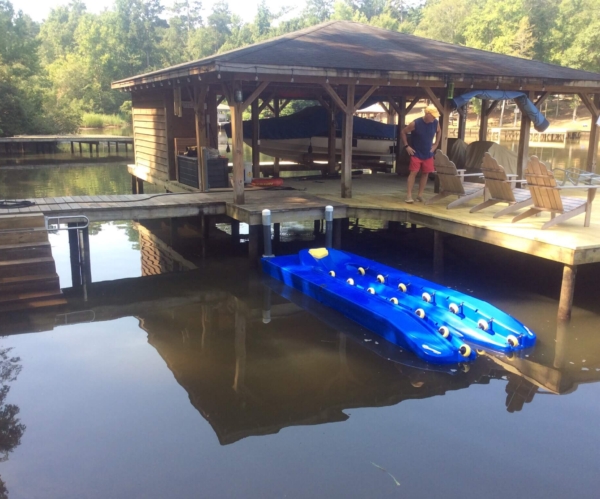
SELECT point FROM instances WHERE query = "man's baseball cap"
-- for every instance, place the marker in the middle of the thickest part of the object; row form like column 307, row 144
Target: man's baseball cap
column 431, row 109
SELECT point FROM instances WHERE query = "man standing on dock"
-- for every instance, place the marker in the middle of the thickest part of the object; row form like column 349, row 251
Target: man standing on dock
column 421, row 148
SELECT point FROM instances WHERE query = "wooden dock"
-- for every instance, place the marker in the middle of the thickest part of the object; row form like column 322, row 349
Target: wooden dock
column 28, row 278
column 375, row 197
column 46, row 143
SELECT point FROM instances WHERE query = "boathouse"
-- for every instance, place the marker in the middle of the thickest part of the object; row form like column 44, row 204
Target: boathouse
column 340, row 64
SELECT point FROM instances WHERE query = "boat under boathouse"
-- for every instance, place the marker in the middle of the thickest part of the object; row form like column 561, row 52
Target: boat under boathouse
column 345, row 66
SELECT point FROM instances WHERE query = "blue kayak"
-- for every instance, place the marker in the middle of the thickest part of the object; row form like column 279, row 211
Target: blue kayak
column 435, row 322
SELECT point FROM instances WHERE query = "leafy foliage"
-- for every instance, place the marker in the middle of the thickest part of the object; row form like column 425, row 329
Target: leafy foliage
column 53, row 73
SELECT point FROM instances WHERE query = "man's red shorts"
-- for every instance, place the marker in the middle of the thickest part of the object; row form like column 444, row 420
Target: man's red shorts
column 425, row 165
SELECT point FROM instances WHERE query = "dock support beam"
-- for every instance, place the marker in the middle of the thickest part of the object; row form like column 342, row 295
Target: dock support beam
column 337, row 233
column 331, row 163
column 594, row 107
column 347, row 143
column 565, row 304
column 266, row 223
column 329, row 226
column 238, row 151
column 74, row 256
column 276, row 160
column 483, row 120
column 523, row 151
column 462, row 121
column 253, row 241
column 255, row 140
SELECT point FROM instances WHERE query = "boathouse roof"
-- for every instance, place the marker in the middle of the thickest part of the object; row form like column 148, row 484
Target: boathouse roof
column 349, row 49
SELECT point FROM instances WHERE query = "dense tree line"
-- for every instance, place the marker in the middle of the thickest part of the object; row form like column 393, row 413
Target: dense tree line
column 51, row 73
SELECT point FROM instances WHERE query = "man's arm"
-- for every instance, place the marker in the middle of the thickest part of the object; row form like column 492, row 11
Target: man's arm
column 438, row 137
column 407, row 129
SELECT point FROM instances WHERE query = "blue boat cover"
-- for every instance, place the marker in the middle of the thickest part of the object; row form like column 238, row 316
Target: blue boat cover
column 540, row 123
column 313, row 122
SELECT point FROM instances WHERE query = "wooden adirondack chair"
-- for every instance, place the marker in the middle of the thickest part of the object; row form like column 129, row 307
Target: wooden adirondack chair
column 500, row 188
column 546, row 196
column 452, row 182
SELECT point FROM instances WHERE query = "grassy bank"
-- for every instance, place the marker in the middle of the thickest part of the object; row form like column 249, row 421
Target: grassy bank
column 95, row 120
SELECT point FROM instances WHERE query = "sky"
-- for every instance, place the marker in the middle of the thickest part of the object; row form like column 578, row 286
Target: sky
column 38, row 10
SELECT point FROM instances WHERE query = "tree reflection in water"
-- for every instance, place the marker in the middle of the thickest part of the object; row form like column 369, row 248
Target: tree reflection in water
column 11, row 429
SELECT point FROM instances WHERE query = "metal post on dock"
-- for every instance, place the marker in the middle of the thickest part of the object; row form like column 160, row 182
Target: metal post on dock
column 266, row 222
column 328, row 226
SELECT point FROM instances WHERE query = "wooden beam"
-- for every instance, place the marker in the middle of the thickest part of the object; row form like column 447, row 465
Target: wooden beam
column 432, row 97
column 462, row 121
column 336, row 98
column 237, row 139
column 414, row 102
column 364, row 98
column 212, row 118
column 491, row 108
column 565, row 304
column 331, row 139
column 255, row 140
column 483, row 120
column 323, row 102
column 523, row 151
column 276, row 160
column 444, row 122
column 401, row 124
column 254, row 95
column 347, row 144
column 265, row 103
column 590, row 105
column 284, row 104
column 386, row 108
column 594, row 134
column 541, row 99
column 201, row 138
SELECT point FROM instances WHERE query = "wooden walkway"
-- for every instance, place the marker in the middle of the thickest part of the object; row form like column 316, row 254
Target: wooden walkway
column 41, row 141
column 377, row 197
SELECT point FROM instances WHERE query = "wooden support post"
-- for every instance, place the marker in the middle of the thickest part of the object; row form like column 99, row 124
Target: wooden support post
column 560, row 344
column 316, row 227
column 84, row 256
column 212, row 119
column 255, row 140
column 347, row 143
column 80, row 151
column 276, row 233
column 117, row 148
column 567, row 290
column 444, row 123
column 523, row 151
column 255, row 237
column 134, row 184
column 331, row 150
column 400, row 170
column 594, row 135
column 438, row 252
column 276, row 160
column 237, row 140
column 483, row 120
column 140, row 186
column 108, row 146
column 201, row 139
column 462, row 122
column 337, row 233
column 72, row 148
column 235, row 231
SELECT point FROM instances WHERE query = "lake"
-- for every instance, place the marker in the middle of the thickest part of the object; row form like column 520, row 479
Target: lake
column 166, row 379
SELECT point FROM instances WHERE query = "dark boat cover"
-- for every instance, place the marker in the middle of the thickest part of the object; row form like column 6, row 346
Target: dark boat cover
column 313, row 122
column 540, row 123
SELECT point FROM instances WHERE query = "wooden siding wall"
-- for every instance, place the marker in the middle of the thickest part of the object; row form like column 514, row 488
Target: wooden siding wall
column 154, row 128
column 150, row 133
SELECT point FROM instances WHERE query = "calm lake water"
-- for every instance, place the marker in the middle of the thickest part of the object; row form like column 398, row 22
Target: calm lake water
column 167, row 383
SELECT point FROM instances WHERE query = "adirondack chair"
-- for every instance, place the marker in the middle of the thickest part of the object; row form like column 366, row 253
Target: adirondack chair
column 452, row 182
column 546, row 196
column 500, row 188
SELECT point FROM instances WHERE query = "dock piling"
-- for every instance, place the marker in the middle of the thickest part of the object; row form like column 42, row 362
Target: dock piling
column 565, row 304
column 266, row 223
column 328, row 226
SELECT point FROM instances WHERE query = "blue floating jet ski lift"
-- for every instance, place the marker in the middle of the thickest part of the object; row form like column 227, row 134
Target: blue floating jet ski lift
column 439, row 324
